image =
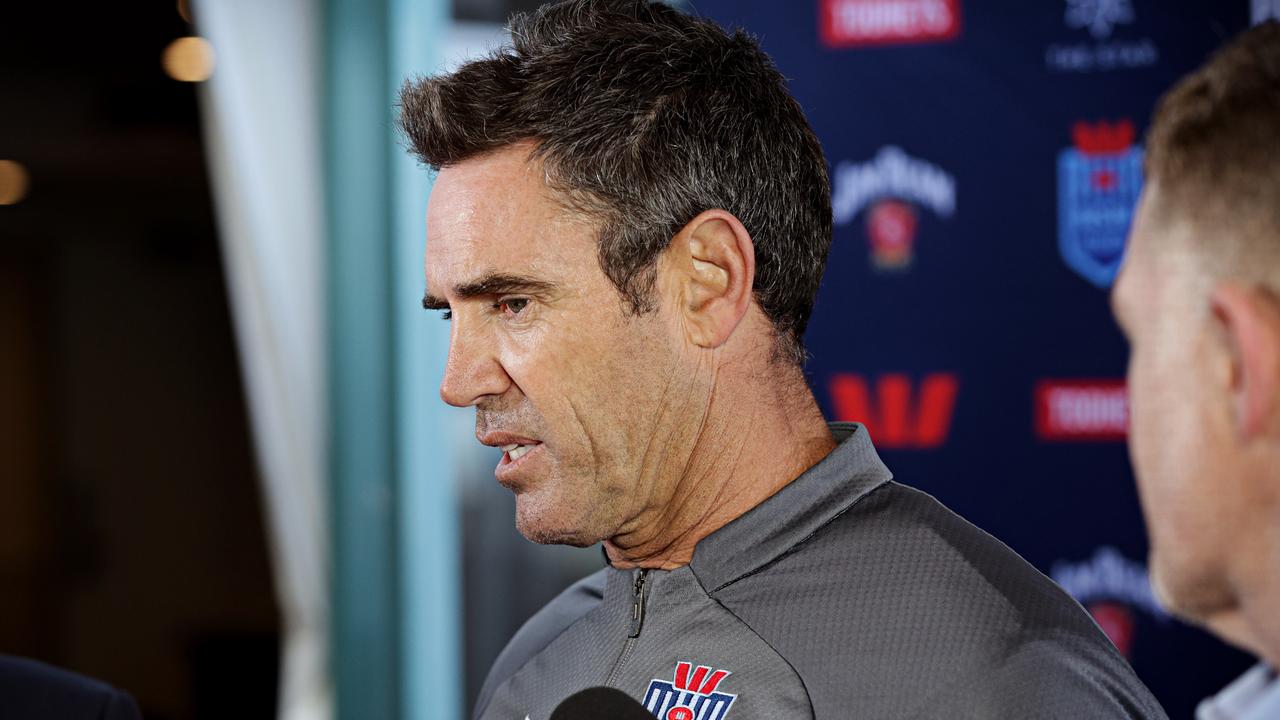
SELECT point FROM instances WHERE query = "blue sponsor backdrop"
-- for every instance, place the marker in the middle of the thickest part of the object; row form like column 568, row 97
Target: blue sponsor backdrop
column 985, row 158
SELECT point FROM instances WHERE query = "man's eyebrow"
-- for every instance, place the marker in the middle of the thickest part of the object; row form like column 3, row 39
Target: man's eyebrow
column 490, row 284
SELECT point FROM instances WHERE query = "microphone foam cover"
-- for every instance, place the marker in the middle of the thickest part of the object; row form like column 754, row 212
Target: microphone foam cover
column 600, row 703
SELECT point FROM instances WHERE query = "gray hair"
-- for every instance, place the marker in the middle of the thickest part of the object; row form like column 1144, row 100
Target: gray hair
column 644, row 117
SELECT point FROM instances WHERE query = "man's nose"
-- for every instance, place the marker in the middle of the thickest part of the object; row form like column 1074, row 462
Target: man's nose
column 471, row 373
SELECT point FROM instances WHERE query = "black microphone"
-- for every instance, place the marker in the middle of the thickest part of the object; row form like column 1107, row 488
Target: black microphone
column 600, row 703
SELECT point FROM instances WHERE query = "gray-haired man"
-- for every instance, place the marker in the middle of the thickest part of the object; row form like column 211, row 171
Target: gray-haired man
column 628, row 230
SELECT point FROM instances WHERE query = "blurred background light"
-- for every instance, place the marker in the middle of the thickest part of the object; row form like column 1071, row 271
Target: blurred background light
column 184, row 9
column 14, row 182
column 189, row 59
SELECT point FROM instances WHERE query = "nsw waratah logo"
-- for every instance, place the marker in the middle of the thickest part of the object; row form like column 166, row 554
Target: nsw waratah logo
column 1099, row 180
column 892, row 187
column 692, row 695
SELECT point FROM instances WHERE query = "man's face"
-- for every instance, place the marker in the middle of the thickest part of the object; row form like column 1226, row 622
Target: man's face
column 580, row 392
column 1180, row 439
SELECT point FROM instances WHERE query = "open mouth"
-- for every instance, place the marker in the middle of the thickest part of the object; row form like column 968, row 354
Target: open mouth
column 515, row 451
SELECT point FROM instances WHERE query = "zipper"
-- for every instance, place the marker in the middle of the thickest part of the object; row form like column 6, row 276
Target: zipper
column 637, row 621
column 637, row 604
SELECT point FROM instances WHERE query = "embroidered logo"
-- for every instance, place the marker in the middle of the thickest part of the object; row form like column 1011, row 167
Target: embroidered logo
column 692, row 695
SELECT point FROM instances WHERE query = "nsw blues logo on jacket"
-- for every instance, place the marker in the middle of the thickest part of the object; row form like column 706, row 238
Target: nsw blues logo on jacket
column 692, row 695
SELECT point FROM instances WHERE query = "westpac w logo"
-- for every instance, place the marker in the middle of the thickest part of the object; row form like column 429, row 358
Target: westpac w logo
column 692, row 696
column 892, row 418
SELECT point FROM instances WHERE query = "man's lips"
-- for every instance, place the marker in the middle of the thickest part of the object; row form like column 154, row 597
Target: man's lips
column 502, row 439
column 516, row 450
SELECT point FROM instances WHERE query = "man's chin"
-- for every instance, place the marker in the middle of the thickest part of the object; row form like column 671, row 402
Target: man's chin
column 544, row 535
column 551, row 528
column 1193, row 598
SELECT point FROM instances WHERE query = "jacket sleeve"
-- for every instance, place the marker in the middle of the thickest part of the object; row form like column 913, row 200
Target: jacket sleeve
column 539, row 631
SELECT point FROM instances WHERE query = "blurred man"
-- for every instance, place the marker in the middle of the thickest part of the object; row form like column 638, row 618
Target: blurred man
column 627, row 233
column 1199, row 298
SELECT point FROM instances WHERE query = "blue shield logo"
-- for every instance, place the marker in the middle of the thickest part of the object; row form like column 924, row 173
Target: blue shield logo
column 1099, row 180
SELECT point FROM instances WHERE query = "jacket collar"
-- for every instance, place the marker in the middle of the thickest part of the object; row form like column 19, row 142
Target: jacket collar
column 793, row 514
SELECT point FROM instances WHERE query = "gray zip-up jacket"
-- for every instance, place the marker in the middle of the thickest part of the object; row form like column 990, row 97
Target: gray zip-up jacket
column 845, row 595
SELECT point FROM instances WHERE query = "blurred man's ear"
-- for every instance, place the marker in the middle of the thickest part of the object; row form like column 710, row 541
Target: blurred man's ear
column 1250, row 319
column 711, row 266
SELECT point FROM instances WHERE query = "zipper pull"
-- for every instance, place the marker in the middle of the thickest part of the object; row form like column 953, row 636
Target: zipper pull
column 637, row 604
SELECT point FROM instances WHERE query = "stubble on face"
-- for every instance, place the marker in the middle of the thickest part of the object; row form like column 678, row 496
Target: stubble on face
column 598, row 406
column 597, row 385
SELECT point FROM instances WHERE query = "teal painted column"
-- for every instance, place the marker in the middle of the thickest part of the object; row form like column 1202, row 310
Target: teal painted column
column 396, row 651
column 430, row 578
column 362, row 417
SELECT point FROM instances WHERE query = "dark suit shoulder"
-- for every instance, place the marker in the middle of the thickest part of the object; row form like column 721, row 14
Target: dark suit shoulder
column 31, row 690
column 891, row 601
column 540, row 630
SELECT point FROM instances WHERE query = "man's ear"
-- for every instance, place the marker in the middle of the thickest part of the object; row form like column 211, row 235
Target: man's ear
column 712, row 269
column 1250, row 320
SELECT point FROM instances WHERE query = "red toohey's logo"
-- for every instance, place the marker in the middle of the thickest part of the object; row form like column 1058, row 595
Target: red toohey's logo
column 1082, row 410
column 853, row 23
column 898, row 417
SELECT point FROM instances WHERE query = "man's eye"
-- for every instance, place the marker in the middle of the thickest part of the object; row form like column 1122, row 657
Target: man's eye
column 446, row 314
column 514, row 305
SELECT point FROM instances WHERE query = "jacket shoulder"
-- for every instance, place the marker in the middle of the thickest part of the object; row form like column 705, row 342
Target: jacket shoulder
column 892, row 600
column 540, row 630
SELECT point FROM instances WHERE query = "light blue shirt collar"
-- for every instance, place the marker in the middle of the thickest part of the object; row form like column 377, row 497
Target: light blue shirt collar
column 1254, row 696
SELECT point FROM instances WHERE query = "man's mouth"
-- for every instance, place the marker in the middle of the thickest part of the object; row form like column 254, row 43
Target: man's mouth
column 515, row 451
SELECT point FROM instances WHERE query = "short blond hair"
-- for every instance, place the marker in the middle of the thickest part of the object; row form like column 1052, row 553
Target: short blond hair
column 1213, row 148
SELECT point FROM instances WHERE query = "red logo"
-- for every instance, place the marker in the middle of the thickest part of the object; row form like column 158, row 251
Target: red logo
column 1117, row 622
column 893, row 419
column 693, row 695
column 1091, row 410
column 855, row 23
column 891, row 227
column 1102, row 137
column 1101, row 140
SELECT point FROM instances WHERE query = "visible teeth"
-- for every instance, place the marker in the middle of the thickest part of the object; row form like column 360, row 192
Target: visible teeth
column 509, row 448
column 519, row 452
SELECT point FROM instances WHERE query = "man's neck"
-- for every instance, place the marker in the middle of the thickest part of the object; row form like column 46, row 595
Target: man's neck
column 754, row 441
column 1254, row 625
column 1250, row 621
